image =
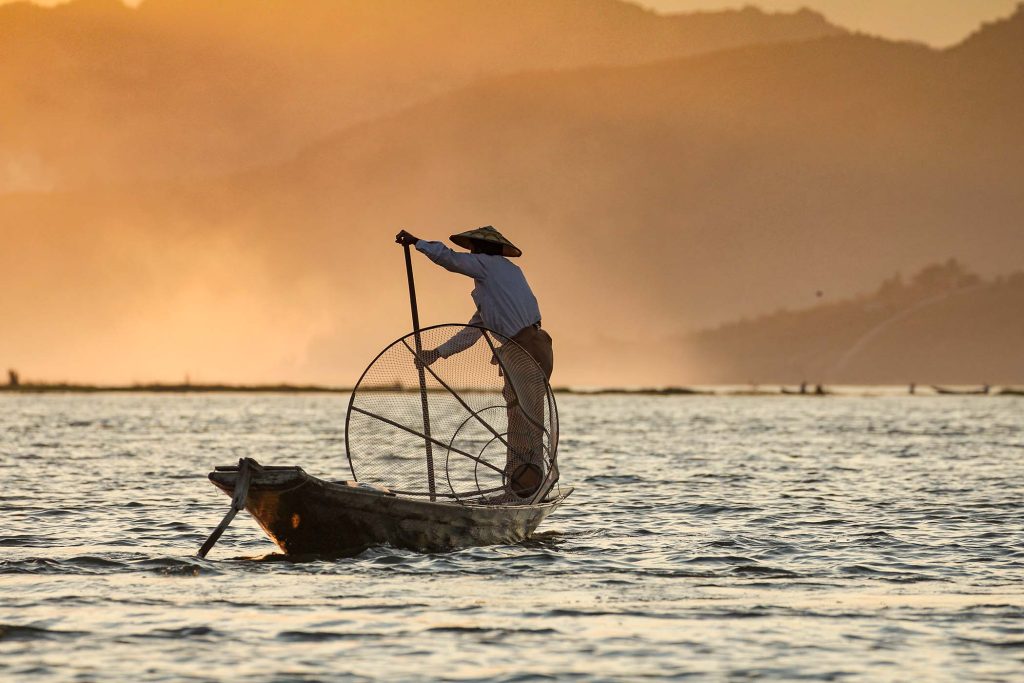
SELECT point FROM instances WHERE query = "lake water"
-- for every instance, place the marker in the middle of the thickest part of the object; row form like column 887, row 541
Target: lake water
column 709, row 538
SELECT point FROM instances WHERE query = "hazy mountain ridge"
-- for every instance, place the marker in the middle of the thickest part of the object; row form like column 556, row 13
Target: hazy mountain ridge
column 698, row 152
column 1001, row 39
column 649, row 199
column 101, row 93
column 944, row 325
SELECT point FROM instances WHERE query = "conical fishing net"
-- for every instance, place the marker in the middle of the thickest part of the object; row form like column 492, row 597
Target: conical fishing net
column 478, row 427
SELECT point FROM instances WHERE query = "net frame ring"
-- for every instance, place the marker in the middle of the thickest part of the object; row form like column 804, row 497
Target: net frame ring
column 476, row 465
column 547, row 425
column 520, row 468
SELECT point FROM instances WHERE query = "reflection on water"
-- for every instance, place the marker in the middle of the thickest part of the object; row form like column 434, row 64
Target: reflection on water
column 738, row 538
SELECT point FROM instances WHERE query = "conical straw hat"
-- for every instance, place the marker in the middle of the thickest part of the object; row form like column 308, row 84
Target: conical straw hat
column 486, row 234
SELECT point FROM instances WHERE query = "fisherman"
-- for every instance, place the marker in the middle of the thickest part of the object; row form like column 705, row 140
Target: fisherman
column 506, row 304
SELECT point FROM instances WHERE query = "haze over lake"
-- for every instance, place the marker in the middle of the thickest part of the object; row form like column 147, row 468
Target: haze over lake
column 664, row 175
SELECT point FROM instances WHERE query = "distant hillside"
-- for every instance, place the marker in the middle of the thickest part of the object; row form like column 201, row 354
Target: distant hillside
column 650, row 200
column 97, row 93
column 943, row 326
column 735, row 182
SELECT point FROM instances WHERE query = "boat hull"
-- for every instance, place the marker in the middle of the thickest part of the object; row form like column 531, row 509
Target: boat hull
column 307, row 515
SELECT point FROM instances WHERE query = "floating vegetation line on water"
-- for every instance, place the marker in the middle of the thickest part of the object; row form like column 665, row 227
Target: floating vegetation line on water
column 173, row 388
column 724, row 390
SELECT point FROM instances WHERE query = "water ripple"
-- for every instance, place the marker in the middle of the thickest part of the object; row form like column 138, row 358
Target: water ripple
column 712, row 538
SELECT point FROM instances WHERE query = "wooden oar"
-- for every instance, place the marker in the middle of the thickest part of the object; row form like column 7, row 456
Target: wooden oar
column 237, row 503
column 422, row 377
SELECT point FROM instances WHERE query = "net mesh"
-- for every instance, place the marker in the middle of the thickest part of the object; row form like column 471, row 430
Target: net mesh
column 491, row 433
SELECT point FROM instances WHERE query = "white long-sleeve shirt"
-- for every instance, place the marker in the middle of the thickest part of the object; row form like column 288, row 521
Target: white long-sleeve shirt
column 504, row 301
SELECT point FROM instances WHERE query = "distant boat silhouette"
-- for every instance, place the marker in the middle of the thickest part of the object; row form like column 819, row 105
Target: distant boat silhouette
column 819, row 390
column 962, row 392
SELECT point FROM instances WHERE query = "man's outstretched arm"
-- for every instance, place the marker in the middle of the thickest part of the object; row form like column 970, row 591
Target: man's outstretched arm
column 456, row 262
column 463, row 339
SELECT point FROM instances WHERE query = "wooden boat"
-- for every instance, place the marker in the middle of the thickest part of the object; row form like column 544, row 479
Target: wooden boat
column 515, row 446
column 307, row 515
column 961, row 392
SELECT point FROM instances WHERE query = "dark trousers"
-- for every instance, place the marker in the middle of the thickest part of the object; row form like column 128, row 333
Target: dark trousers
column 524, row 465
column 537, row 343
